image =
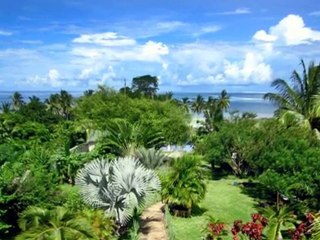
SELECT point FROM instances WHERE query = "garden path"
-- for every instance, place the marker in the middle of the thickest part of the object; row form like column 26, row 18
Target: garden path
column 152, row 225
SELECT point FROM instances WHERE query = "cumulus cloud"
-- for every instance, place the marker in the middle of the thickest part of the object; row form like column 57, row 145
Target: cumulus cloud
column 51, row 79
column 105, row 39
column 218, row 63
column 252, row 70
column 291, row 30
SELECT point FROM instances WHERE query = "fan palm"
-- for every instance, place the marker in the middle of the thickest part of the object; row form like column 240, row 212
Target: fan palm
column 151, row 158
column 56, row 224
column 118, row 186
column 298, row 102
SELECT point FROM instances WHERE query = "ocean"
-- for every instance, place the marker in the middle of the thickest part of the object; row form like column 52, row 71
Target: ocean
column 243, row 102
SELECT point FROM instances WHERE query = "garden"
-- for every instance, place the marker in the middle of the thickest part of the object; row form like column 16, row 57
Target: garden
column 88, row 168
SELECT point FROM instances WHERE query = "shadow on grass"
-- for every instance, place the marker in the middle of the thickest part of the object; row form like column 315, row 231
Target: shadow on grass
column 198, row 211
column 257, row 192
column 218, row 173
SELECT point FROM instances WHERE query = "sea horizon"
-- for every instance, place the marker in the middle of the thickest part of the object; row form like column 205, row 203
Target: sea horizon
column 239, row 101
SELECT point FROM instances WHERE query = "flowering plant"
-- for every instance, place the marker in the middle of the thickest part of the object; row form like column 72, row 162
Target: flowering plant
column 214, row 229
column 250, row 230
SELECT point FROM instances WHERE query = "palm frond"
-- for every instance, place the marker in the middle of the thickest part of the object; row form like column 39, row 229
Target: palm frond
column 120, row 186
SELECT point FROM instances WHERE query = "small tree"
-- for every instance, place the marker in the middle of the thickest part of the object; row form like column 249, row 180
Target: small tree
column 185, row 186
column 118, row 186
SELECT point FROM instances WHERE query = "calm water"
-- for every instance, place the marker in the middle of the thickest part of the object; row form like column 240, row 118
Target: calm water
column 244, row 102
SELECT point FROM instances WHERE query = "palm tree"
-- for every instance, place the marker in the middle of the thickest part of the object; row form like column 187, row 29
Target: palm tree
column 17, row 100
column 117, row 186
column 298, row 102
column 185, row 186
column 315, row 228
column 213, row 111
column 185, row 103
column 198, row 105
column 102, row 225
column 57, row 224
column 124, row 138
column 65, row 103
column 277, row 219
column 5, row 107
column 151, row 158
column 60, row 104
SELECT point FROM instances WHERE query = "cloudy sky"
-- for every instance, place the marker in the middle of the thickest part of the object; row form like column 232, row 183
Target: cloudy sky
column 190, row 45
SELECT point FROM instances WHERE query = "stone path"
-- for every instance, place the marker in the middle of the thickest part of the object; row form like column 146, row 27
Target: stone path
column 152, row 225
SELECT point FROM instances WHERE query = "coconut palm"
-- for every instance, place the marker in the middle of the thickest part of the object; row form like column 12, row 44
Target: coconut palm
column 298, row 101
column 151, row 158
column 60, row 104
column 57, row 224
column 117, row 186
column 198, row 104
column 17, row 100
column 65, row 104
column 213, row 111
column 185, row 103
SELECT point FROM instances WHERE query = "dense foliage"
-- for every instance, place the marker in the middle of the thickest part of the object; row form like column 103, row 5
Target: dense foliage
column 43, row 144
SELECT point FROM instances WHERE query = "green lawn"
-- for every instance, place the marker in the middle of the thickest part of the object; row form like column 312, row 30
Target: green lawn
column 223, row 201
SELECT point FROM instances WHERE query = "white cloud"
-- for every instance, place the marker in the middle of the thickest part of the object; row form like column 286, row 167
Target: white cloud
column 5, row 33
column 206, row 29
column 261, row 35
column 168, row 26
column 291, row 30
column 252, row 70
column 105, row 39
column 149, row 52
column 237, row 11
column 152, row 51
column 315, row 13
column 52, row 79
column 219, row 63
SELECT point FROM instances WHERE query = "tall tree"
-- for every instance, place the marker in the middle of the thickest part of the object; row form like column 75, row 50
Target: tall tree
column 145, row 85
column 61, row 104
column 298, row 101
column 17, row 100
column 198, row 104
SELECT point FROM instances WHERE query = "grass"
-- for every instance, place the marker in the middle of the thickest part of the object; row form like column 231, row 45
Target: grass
column 223, row 201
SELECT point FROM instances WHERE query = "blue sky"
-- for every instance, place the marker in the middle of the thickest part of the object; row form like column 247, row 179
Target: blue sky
column 203, row 45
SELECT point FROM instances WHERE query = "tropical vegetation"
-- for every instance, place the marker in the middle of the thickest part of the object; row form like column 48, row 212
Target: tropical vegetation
column 86, row 167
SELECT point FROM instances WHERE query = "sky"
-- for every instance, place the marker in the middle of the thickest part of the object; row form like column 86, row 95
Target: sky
column 190, row 45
